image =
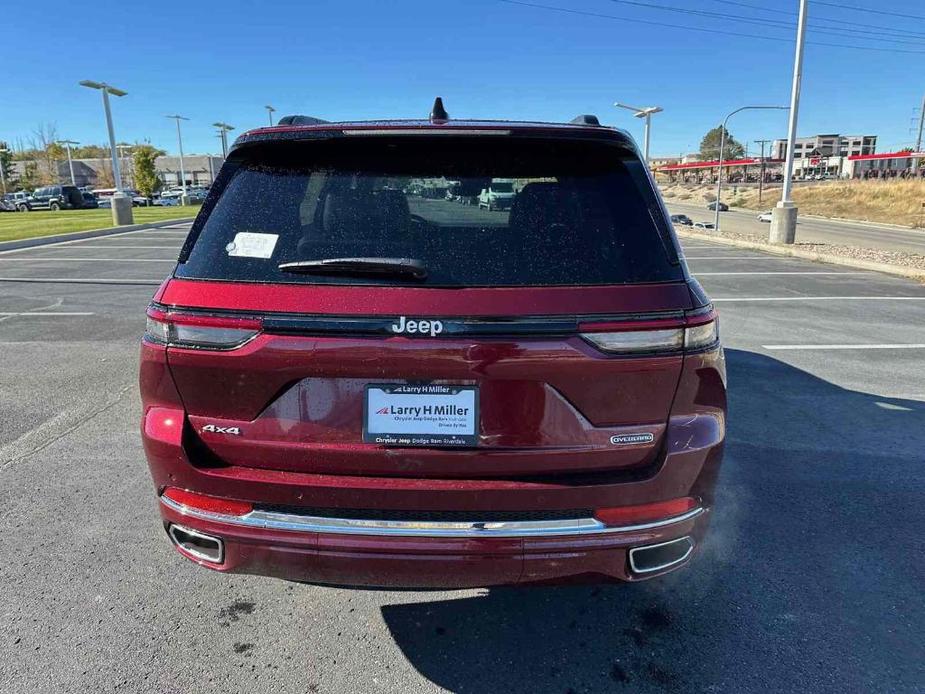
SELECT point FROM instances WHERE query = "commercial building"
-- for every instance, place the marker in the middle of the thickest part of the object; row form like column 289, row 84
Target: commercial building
column 826, row 145
column 97, row 173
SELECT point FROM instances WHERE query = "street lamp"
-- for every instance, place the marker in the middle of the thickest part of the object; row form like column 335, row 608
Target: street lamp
column 223, row 129
column 3, row 151
column 646, row 113
column 270, row 111
column 121, row 203
column 183, row 198
column 784, row 215
column 722, row 146
column 70, row 163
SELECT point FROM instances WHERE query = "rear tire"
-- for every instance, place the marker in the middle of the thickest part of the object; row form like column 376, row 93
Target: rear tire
column 54, row 207
column 23, row 208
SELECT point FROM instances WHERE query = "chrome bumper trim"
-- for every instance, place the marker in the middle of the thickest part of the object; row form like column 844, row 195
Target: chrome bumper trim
column 350, row 526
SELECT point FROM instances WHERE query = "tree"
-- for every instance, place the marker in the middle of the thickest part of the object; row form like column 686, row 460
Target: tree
column 146, row 179
column 6, row 163
column 709, row 146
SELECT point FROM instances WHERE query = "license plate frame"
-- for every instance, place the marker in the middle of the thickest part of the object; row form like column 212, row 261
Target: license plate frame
column 448, row 426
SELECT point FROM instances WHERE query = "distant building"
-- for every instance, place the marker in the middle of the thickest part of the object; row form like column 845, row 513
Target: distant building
column 826, row 145
column 199, row 170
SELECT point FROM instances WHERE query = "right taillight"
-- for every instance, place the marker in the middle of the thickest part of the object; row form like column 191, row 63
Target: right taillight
column 195, row 331
column 658, row 340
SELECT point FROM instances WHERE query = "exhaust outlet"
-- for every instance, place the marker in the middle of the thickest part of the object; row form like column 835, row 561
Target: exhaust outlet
column 196, row 544
column 664, row 555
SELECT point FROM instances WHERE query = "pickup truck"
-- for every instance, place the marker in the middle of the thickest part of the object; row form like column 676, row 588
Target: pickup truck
column 498, row 195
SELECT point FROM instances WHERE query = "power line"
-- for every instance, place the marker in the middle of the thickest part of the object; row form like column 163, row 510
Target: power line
column 825, row 19
column 685, row 27
column 763, row 22
column 869, row 11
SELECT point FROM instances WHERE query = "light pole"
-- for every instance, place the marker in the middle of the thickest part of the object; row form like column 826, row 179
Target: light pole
column 761, row 170
column 646, row 113
column 223, row 129
column 184, row 198
column 270, row 111
column 121, row 203
column 784, row 215
column 918, row 140
column 70, row 163
column 3, row 151
column 722, row 146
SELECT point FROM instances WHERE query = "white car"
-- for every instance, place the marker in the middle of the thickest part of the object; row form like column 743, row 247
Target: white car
column 704, row 225
column 764, row 217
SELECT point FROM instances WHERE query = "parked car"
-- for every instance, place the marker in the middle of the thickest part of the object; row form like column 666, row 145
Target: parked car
column 52, row 198
column 764, row 216
column 682, row 219
column 498, row 195
column 704, row 225
column 723, row 207
column 169, row 198
column 6, row 205
column 89, row 201
column 347, row 385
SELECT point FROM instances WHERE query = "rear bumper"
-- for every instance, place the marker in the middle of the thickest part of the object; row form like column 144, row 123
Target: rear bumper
column 331, row 551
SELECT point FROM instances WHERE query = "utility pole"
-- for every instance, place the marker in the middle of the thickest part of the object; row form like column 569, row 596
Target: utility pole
column 646, row 113
column 223, row 129
column 784, row 216
column 70, row 162
column 918, row 140
column 270, row 111
column 761, row 175
column 184, row 198
column 121, row 203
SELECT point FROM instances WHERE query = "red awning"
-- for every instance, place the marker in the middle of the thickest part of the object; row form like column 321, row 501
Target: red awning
column 887, row 155
column 712, row 164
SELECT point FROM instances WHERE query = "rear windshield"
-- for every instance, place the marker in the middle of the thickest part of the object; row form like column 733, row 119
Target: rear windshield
column 582, row 213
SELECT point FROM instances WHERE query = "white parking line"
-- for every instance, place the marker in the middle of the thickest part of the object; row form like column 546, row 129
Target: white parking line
column 737, row 257
column 732, row 299
column 83, row 248
column 827, row 347
column 784, row 272
column 80, row 260
column 82, row 280
column 46, row 313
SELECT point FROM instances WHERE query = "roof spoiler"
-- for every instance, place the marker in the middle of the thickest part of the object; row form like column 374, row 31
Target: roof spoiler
column 301, row 120
column 585, row 119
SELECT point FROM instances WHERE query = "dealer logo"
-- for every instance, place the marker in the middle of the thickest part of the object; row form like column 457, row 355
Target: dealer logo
column 629, row 439
column 419, row 327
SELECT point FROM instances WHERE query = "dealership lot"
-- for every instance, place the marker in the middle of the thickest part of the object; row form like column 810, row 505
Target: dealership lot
column 811, row 580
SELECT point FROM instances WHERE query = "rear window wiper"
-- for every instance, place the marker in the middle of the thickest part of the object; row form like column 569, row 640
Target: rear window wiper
column 395, row 267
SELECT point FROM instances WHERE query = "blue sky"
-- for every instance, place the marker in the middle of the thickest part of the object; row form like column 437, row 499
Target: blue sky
column 488, row 59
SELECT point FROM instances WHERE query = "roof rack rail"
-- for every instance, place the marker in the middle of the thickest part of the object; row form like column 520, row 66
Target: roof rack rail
column 301, row 120
column 585, row 119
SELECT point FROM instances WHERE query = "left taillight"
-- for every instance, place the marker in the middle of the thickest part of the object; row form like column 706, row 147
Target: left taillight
column 199, row 331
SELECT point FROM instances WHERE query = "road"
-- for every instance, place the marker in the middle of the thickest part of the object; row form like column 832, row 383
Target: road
column 811, row 579
column 814, row 230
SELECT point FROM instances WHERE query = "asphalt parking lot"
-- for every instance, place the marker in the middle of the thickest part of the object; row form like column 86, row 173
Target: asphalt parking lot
column 811, row 580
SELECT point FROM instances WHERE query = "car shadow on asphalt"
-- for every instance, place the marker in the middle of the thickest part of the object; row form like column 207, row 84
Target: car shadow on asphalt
column 796, row 588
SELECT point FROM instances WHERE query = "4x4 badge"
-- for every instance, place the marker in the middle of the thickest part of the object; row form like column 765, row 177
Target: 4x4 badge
column 626, row 439
column 212, row 428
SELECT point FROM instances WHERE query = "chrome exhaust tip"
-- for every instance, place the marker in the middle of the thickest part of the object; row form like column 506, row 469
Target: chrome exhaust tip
column 196, row 544
column 664, row 555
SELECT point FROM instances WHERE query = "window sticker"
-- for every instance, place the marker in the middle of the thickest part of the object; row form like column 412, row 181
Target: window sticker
column 249, row 245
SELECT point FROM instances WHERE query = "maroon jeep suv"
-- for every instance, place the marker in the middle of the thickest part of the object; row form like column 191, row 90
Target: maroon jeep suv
column 356, row 376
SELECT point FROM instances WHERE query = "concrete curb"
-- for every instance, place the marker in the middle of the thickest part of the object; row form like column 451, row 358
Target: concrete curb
column 910, row 272
column 89, row 234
